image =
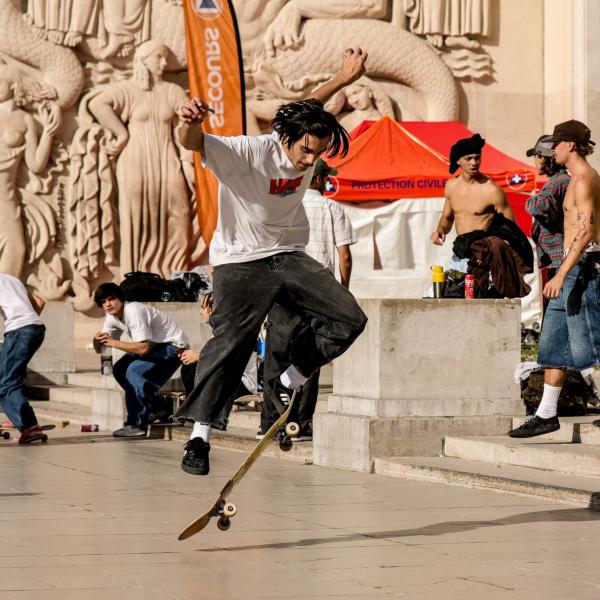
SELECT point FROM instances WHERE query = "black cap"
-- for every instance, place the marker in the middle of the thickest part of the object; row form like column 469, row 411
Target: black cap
column 572, row 131
column 472, row 145
column 543, row 147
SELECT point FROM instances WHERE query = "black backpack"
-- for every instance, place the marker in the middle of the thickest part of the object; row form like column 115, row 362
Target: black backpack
column 140, row 286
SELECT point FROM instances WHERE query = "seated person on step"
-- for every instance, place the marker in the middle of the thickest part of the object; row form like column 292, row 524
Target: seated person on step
column 151, row 355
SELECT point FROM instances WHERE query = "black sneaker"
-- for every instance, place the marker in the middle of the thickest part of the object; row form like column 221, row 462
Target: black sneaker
column 161, row 410
column 260, row 434
column 535, row 426
column 305, row 435
column 195, row 459
column 283, row 393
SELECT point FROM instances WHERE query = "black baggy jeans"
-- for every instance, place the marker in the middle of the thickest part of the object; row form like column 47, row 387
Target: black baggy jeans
column 283, row 327
column 244, row 293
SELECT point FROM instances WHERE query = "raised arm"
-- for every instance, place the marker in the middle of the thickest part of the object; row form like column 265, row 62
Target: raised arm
column 191, row 115
column 353, row 67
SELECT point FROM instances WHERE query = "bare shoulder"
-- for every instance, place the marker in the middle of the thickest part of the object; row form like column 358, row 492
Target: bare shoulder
column 586, row 183
column 450, row 186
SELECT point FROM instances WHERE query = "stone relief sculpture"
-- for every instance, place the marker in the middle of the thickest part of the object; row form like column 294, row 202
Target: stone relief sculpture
column 109, row 190
column 279, row 35
column 131, row 124
column 22, row 145
column 363, row 100
column 453, row 26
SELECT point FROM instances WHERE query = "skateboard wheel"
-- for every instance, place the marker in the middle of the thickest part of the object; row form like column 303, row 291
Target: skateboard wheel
column 44, row 438
column 6, row 435
column 229, row 510
column 224, row 523
column 286, row 444
column 292, row 429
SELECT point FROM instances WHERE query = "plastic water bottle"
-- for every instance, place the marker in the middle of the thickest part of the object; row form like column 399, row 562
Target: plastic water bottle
column 106, row 362
column 439, row 280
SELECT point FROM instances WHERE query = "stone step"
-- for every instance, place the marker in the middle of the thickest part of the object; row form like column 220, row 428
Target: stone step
column 559, row 487
column 572, row 429
column 95, row 379
column 574, row 459
column 70, row 394
column 239, row 439
column 55, row 411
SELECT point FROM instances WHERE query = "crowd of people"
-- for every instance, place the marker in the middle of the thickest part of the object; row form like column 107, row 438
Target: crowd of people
column 274, row 252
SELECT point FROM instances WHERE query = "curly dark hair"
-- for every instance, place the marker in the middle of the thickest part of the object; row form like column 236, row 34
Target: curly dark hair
column 294, row 120
column 548, row 165
column 108, row 290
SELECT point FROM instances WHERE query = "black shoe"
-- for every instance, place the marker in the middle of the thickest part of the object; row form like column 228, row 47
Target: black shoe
column 535, row 426
column 305, row 435
column 161, row 410
column 195, row 459
column 283, row 393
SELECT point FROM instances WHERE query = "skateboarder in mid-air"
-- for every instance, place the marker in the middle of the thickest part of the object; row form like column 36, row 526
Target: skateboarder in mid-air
column 257, row 251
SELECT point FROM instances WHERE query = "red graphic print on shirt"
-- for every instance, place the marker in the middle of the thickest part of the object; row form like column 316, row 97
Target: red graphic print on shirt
column 284, row 187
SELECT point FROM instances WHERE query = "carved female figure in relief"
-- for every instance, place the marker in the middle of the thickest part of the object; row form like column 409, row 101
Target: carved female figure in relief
column 154, row 176
column 21, row 144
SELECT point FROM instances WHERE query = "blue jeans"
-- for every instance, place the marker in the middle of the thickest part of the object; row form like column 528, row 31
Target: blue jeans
column 142, row 376
column 570, row 337
column 244, row 294
column 17, row 350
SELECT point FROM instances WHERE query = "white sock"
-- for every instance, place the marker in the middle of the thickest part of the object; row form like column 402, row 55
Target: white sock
column 201, row 430
column 547, row 407
column 292, row 378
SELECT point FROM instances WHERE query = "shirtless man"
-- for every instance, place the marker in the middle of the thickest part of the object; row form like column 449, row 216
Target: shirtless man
column 570, row 337
column 472, row 199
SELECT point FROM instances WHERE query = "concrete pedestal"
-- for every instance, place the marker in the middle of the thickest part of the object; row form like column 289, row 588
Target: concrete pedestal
column 56, row 355
column 421, row 370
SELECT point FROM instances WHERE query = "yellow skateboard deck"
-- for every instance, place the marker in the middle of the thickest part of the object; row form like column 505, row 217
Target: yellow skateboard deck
column 220, row 508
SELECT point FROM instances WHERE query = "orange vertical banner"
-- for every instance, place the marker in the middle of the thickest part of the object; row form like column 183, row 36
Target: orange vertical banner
column 215, row 75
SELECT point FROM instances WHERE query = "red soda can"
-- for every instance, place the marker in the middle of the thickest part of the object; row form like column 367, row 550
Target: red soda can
column 470, row 286
column 90, row 428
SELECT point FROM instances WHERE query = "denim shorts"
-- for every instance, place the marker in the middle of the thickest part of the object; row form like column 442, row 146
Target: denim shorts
column 570, row 335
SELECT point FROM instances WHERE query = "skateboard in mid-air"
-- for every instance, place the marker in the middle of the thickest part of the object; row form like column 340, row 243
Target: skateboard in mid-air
column 5, row 431
column 225, row 510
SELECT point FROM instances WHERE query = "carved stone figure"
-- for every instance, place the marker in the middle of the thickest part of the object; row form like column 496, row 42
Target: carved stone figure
column 452, row 27
column 117, row 24
column 361, row 101
column 132, row 123
column 21, row 145
column 56, row 66
column 313, row 33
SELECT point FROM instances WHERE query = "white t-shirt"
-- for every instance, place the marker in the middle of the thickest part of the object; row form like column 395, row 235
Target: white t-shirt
column 15, row 306
column 260, row 198
column 330, row 228
column 141, row 323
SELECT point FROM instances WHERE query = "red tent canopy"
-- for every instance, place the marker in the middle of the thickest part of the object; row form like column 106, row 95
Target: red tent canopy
column 389, row 160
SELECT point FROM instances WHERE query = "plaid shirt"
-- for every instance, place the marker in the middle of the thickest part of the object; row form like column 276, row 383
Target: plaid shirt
column 547, row 227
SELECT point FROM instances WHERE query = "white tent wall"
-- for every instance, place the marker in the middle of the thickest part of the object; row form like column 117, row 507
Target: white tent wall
column 393, row 255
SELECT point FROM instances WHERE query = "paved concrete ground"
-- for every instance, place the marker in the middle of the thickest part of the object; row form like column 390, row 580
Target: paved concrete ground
column 87, row 516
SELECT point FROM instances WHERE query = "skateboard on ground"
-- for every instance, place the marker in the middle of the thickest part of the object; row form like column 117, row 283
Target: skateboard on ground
column 225, row 510
column 5, row 431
